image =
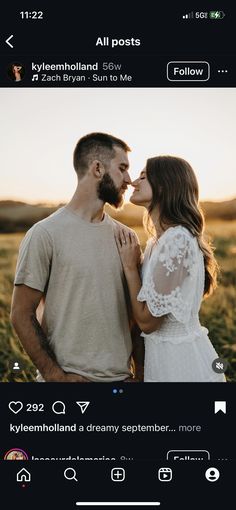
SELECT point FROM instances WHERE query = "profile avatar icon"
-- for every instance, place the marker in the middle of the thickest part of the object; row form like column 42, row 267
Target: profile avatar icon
column 16, row 72
column 212, row 474
column 16, row 365
column 16, row 454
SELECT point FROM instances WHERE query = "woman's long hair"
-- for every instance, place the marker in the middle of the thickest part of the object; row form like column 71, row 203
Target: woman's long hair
column 175, row 193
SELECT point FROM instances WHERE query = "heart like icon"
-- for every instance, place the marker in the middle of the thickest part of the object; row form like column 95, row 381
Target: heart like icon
column 15, row 407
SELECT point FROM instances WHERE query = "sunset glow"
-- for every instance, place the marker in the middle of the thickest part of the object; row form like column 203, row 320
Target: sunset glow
column 40, row 127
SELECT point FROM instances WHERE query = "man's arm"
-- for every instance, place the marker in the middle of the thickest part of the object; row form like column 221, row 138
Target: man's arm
column 23, row 317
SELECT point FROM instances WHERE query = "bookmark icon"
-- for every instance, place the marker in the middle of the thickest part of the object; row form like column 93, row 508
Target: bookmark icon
column 220, row 405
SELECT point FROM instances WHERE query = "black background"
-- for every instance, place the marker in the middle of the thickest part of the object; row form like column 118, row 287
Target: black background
column 69, row 31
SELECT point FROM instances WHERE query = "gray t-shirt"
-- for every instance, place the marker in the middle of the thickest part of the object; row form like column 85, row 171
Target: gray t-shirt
column 83, row 312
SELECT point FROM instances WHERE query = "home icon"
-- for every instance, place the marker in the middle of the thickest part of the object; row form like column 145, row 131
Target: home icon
column 23, row 476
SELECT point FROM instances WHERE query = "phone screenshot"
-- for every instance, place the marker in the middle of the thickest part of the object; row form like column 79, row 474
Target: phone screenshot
column 117, row 256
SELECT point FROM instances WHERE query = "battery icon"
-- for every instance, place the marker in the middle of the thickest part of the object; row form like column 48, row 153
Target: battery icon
column 216, row 14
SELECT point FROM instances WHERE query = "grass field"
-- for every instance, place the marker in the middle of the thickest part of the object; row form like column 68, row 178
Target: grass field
column 218, row 313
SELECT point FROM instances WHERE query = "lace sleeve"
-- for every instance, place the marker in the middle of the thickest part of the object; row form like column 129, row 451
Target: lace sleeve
column 168, row 285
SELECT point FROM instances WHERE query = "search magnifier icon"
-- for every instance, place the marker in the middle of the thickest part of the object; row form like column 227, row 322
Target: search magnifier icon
column 70, row 474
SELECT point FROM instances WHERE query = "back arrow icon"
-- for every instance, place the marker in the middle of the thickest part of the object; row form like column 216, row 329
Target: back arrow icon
column 7, row 41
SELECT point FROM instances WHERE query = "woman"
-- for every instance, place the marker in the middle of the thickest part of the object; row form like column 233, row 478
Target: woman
column 179, row 268
column 17, row 72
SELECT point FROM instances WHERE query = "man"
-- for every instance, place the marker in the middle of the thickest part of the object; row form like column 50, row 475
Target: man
column 69, row 304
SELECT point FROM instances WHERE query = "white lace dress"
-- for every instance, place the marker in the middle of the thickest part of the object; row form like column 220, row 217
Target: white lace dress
column 173, row 283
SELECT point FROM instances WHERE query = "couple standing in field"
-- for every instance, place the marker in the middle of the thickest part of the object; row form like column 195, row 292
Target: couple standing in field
column 85, row 297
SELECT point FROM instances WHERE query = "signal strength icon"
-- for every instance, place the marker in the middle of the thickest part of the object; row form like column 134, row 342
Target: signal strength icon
column 190, row 15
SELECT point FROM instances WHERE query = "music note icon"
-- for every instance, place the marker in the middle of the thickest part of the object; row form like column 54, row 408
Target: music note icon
column 35, row 77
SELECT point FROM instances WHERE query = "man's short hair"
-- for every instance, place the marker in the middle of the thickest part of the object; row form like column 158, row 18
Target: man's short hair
column 95, row 146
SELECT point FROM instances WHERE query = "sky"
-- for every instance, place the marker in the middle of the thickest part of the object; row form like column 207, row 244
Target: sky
column 39, row 129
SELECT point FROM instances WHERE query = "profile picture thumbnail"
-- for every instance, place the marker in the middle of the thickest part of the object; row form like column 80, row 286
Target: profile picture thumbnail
column 16, row 71
column 16, row 454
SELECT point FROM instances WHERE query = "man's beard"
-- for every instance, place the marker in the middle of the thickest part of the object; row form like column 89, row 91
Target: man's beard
column 107, row 191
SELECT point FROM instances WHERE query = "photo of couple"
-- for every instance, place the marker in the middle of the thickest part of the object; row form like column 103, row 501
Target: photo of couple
column 117, row 235
column 89, row 306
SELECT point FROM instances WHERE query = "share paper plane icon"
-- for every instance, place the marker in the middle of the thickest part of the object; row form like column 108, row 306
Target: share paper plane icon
column 83, row 406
